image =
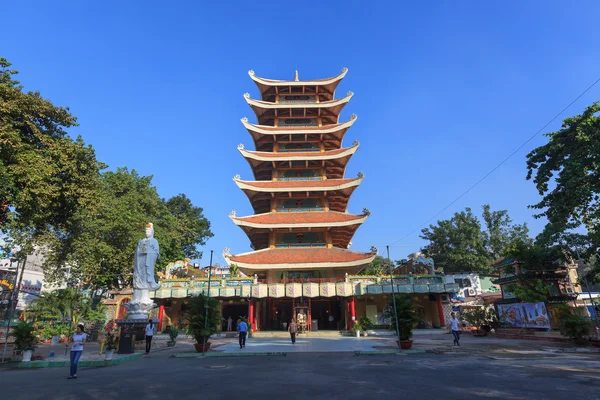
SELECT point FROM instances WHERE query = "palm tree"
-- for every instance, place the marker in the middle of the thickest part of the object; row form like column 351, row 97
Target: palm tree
column 234, row 271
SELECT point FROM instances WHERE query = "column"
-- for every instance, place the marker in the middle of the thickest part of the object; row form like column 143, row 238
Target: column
column 352, row 312
column 161, row 313
column 440, row 308
column 251, row 319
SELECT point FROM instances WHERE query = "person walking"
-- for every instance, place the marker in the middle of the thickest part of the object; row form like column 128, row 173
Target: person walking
column 149, row 334
column 455, row 329
column 243, row 330
column 77, row 341
column 293, row 329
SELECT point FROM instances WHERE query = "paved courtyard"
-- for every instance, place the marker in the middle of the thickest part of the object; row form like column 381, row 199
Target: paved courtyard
column 303, row 344
column 491, row 369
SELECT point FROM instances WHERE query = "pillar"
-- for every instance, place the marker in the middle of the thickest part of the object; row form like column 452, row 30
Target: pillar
column 352, row 312
column 440, row 308
column 251, row 318
column 161, row 313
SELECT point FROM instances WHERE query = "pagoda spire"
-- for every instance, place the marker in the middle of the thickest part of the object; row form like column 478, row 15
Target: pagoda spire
column 296, row 79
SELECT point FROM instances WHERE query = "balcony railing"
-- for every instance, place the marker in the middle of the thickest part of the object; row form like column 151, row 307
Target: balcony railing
column 300, row 209
column 306, row 150
column 301, row 178
column 296, row 245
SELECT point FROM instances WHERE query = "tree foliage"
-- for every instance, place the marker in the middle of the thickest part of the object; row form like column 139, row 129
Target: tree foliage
column 566, row 172
column 102, row 249
column 379, row 266
column 461, row 244
column 45, row 176
column 67, row 305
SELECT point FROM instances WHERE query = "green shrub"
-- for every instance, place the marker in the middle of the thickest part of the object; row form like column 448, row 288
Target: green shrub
column 25, row 336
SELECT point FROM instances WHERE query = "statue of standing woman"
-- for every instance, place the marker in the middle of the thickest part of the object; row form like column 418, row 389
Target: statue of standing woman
column 146, row 255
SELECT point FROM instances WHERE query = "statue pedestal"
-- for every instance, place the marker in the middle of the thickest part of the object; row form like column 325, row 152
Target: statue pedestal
column 140, row 305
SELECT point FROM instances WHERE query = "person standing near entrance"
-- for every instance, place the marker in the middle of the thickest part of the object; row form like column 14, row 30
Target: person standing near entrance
column 77, row 340
column 229, row 324
column 243, row 330
column 293, row 329
column 149, row 334
column 455, row 329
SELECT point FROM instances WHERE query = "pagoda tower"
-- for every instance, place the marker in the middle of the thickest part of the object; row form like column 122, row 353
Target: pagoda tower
column 301, row 228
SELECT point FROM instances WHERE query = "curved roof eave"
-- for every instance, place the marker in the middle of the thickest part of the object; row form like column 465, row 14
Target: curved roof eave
column 326, row 104
column 321, row 82
column 246, row 185
column 239, row 221
column 283, row 131
column 316, row 156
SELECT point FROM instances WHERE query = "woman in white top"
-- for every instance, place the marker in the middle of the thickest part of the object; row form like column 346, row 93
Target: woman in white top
column 149, row 334
column 77, row 341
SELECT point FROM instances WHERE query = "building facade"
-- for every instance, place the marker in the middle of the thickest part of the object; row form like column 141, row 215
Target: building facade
column 301, row 229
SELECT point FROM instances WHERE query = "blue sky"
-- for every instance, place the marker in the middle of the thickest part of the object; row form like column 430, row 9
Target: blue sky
column 443, row 91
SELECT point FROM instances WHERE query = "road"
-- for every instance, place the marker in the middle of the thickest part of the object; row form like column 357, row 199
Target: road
column 461, row 375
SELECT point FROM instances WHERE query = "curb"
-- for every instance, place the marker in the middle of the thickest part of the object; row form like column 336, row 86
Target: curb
column 215, row 354
column 93, row 364
column 378, row 352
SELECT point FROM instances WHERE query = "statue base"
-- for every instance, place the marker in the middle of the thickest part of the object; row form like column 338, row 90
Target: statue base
column 140, row 306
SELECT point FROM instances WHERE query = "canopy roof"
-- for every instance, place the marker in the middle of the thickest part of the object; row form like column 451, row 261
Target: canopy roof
column 337, row 191
column 340, row 226
column 333, row 161
column 328, row 111
column 269, row 88
column 264, row 136
column 300, row 258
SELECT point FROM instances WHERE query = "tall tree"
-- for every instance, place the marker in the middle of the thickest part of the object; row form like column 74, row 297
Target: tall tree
column 101, row 251
column 461, row 244
column 45, row 176
column 566, row 172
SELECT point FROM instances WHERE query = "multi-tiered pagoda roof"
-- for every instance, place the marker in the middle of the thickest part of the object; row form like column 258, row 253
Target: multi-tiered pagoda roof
column 300, row 193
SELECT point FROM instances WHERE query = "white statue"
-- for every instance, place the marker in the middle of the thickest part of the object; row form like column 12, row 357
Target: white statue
column 146, row 255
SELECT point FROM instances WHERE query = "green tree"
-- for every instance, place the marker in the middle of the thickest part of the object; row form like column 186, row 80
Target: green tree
column 379, row 266
column 67, row 305
column 566, row 172
column 461, row 244
column 45, row 176
column 102, row 249
column 234, row 270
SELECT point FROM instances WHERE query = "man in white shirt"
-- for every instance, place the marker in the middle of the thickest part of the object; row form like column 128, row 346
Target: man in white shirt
column 455, row 329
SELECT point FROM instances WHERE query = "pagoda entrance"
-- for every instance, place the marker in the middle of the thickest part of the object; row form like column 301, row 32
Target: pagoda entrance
column 328, row 314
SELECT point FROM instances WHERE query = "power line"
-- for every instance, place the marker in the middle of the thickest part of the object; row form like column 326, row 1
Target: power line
column 500, row 164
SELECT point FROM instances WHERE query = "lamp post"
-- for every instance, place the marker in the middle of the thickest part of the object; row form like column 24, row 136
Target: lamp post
column 206, row 305
column 394, row 296
column 14, row 299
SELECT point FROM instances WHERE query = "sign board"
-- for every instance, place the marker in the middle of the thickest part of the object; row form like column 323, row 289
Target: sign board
column 524, row 315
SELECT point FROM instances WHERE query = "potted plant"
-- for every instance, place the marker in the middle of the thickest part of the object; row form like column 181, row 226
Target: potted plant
column 203, row 320
column 173, row 333
column 481, row 319
column 407, row 318
column 365, row 324
column 110, row 340
column 357, row 328
column 25, row 339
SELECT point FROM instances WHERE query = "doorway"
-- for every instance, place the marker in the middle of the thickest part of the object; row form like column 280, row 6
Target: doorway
column 327, row 313
column 235, row 311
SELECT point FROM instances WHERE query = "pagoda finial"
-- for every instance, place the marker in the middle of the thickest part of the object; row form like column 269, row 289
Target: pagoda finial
column 296, row 77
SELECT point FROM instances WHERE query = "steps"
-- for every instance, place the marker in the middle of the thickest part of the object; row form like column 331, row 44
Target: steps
column 283, row 334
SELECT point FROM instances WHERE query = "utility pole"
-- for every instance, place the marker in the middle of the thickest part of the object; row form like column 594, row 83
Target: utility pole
column 14, row 299
column 207, row 301
column 394, row 296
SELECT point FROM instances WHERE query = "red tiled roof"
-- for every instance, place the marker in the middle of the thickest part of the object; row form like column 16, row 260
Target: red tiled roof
column 299, row 184
column 307, row 154
column 300, row 255
column 301, row 217
column 296, row 128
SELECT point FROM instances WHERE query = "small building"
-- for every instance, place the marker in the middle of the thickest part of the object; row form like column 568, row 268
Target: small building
column 472, row 283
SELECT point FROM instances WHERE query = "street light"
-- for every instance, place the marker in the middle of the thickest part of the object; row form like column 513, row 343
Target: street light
column 206, row 304
column 394, row 296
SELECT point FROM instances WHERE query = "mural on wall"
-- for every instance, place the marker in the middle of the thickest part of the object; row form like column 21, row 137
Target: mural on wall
column 524, row 315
